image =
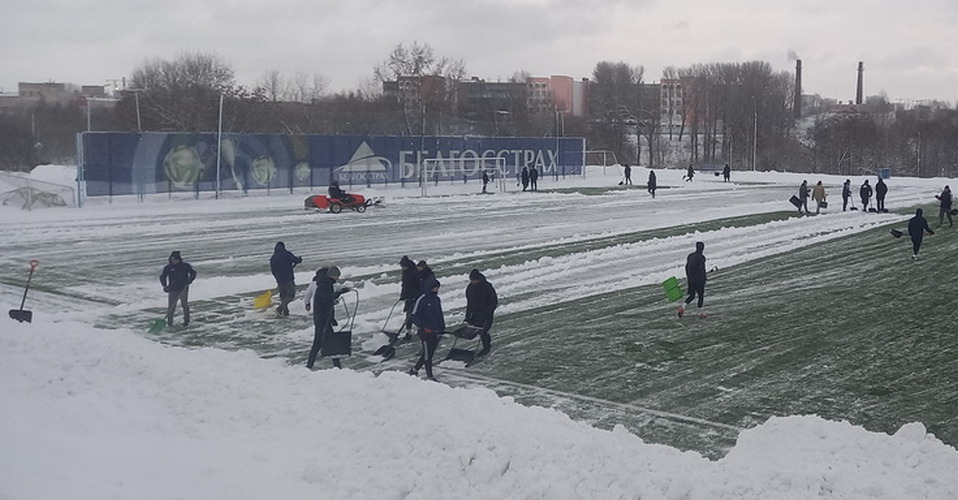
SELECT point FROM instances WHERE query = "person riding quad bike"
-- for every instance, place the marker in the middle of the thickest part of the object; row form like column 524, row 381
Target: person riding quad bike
column 336, row 192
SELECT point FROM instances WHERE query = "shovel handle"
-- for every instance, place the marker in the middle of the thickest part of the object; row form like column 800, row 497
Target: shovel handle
column 34, row 264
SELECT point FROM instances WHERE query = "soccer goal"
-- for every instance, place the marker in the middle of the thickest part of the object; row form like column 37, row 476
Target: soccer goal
column 468, row 169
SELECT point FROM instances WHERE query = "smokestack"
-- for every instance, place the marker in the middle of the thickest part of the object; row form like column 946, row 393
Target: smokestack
column 858, row 92
column 797, row 105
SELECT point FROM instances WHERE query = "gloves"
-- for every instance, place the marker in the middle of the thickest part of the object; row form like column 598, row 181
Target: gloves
column 166, row 289
column 344, row 289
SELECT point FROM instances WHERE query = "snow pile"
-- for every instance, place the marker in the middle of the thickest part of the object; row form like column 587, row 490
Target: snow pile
column 92, row 413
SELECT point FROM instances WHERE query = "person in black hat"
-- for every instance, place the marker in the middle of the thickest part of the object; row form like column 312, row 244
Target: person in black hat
column 281, row 264
column 866, row 193
column 321, row 298
column 176, row 278
column 427, row 315
column 410, row 291
column 425, row 273
column 944, row 207
column 481, row 303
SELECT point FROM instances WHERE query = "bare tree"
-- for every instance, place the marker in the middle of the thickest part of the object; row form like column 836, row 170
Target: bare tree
column 425, row 84
column 183, row 94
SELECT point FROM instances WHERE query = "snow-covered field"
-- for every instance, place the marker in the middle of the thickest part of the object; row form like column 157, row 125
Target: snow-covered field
column 94, row 408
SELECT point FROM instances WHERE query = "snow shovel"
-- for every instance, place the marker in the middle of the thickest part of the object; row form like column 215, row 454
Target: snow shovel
column 673, row 291
column 157, row 326
column 22, row 315
column 896, row 233
column 263, row 300
column 464, row 332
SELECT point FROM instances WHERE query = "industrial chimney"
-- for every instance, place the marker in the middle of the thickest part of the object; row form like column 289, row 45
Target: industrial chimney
column 797, row 105
column 858, row 92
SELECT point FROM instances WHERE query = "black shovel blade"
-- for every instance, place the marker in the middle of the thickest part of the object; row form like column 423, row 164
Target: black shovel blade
column 896, row 233
column 465, row 355
column 21, row 315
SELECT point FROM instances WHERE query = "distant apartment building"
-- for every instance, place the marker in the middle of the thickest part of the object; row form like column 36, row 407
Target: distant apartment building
column 476, row 96
column 31, row 94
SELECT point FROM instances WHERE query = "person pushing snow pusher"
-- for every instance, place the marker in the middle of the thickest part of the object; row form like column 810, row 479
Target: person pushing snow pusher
column 321, row 297
column 281, row 264
column 427, row 315
column 176, row 279
column 696, row 274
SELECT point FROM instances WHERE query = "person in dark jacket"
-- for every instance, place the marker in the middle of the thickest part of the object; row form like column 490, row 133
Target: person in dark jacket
column 485, row 181
column 803, row 197
column 425, row 273
column 281, row 264
column 881, row 189
column 628, row 175
column 176, row 278
column 846, row 194
column 336, row 192
column 866, row 193
column 410, row 291
column 524, row 176
column 695, row 272
column 691, row 173
column 427, row 315
column 917, row 227
column 534, row 178
column 651, row 184
column 321, row 298
column 481, row 303
column 726, row 173
column 944, row 208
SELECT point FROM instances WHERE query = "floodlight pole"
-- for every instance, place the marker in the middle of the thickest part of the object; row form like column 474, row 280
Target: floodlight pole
column 219, row 146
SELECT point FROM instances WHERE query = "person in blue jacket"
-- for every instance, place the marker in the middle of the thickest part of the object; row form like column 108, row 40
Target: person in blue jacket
column 176, row 279
column 281, row 264
column 321, row 298
column 427, row 315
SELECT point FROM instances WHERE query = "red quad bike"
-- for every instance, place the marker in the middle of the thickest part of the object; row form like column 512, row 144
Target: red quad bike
column 356, row 202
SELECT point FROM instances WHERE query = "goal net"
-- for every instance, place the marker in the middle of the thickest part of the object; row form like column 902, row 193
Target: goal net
column 27, row 193
column 438, row 171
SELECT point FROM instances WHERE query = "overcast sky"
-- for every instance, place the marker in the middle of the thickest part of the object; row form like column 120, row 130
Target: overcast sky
column 910, row 48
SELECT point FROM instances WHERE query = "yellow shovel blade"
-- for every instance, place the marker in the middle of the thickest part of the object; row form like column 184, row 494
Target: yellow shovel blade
column 264, row 300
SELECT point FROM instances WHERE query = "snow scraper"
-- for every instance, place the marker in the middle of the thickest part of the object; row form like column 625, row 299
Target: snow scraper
column 673, row 291
column 263, row 300
column 464, row 332
column 22, row 315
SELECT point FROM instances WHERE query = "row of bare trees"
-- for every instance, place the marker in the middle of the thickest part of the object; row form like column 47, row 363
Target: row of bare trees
column 736, row 113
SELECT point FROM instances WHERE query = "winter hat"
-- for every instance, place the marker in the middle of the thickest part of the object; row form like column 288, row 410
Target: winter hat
column 422, row 263
column 475, row 275
column 279, row 246
column 405, row 261
column 175, row 254
column 919, row 211
column 430, row 284
column 700, row 246
column 332, row 272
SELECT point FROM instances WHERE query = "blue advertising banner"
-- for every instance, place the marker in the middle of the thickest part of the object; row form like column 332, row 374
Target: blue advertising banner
column 118, row 163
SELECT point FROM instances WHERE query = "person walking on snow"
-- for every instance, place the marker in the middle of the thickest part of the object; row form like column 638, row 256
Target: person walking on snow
column 281, row 264
column 695, row 272
column 945, row 207
column 846, row 194
column 726, row 173
column 321, row 296
column 628, row 175
column 481, row 303
column 651, row 183
column 803, row 197
column 176, row 278
column 866, row 193
column 525, row 178
column 691, row 173
column 917, row 227
column 411, row 288
column 534, row 179
column 427, row 315
column 881, row 189
column 485, row 180
column 818, row 194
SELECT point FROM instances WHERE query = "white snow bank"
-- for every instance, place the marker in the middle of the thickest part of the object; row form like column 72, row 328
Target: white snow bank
column 91, row 413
